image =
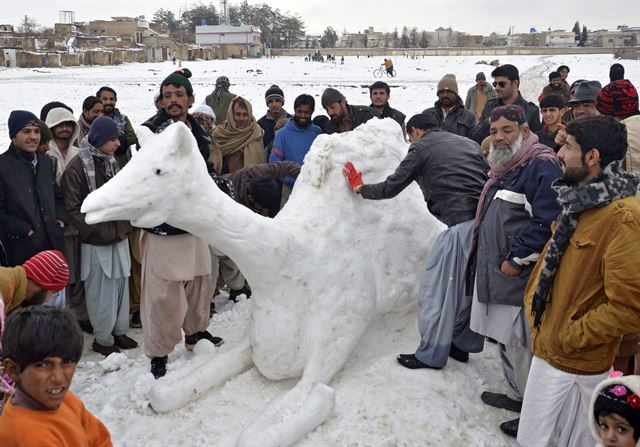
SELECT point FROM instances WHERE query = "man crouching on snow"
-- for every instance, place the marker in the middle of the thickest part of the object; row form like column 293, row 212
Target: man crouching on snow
column 451, row 182
column 176, row 286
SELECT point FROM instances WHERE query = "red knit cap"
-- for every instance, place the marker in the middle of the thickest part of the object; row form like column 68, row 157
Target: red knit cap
column 48, row 269
column 619, row 98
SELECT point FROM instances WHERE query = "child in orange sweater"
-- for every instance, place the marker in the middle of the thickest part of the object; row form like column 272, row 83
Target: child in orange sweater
column 41, row 347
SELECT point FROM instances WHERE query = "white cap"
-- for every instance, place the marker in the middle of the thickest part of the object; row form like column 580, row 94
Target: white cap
column 204, row 109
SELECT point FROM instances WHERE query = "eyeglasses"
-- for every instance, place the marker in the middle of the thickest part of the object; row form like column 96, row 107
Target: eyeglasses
column 502, row 84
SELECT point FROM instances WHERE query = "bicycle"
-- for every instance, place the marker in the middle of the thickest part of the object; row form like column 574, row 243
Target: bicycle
column 378, row 72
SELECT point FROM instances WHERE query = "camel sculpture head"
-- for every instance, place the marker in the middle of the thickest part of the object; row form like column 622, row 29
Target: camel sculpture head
column 162, row 179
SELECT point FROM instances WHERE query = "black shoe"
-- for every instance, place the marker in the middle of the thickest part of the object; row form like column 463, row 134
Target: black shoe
column 135, row 321
column 86, row 326
column 510, row 428
column 233, row 294
column 410, row 361
column 124, row 342
column 159, row 366
column 458, row 354
column 104, row 350
column 191, row 340
column 501, row 401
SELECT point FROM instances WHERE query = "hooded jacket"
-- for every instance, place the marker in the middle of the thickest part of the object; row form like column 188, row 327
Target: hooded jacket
column 57, row 116
column 631, row 382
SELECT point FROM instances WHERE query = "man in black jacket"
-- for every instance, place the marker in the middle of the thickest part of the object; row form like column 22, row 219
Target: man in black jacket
column 379, row 92
column 451, row 182
column 506, row 80
column 449, row 110
column 32, row 214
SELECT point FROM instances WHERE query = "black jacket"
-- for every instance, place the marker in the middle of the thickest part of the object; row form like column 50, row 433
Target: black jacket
column 358, row 115
column 394, row 114
column 459, row 120
column 159, row 122
column 29, row 201
column 547, row 137
column 268, row 124
column 531, row 110
column 450, row 170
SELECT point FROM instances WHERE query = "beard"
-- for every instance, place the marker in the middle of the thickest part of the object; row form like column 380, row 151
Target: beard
column 303, row 123
column 108, row 109
column 499, row 158
column 574, row 175
column 36, row 298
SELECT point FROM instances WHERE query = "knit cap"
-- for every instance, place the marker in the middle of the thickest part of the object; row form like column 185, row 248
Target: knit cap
column 481, row 76
column 48, row 269
column 274, row 92
column 18, row 119
column 330, row 96
column 179, row 77
column 102, row 130
column 448, row 82
column 619, row 98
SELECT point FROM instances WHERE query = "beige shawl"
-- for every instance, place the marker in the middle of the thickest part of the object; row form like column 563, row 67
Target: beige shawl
column 228, row 139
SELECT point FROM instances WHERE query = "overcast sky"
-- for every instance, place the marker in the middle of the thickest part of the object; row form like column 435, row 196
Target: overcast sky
column 476, row 17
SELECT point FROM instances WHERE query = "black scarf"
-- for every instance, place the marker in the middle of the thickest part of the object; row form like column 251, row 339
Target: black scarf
column 613, row 183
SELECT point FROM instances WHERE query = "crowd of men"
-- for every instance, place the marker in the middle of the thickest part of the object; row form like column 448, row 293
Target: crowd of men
column 539, row 254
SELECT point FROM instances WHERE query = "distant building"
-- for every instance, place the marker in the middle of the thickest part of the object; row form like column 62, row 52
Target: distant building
column 129, row 28
column 561, row 39
column 232, row 40
column 470, row 41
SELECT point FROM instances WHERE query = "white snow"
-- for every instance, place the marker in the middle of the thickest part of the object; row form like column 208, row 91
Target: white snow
column 377, row 402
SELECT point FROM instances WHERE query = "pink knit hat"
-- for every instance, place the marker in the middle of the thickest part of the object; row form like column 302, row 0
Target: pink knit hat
column 48, row 269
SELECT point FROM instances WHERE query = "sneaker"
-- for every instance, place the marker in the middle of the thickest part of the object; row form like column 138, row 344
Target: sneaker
column 159, row 366
column 458, row 354
column 135, row 321
column 104, row 350
column 191, row 340
column 124, row 342
column 86, row 326
column 410, row 361
column 501, row 401
column 510, row 428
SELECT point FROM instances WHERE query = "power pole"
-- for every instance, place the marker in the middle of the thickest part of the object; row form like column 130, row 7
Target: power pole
column 224, row 13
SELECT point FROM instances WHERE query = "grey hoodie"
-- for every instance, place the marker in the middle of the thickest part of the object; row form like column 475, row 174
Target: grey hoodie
column 57, row 116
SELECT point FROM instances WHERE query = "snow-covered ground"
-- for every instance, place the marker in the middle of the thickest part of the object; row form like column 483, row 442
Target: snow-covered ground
column 378, row 403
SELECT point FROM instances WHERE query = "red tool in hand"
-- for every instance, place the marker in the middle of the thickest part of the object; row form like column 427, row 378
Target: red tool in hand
column 354, row 178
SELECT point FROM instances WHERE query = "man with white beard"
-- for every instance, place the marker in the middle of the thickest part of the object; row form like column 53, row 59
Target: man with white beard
column 513, row 224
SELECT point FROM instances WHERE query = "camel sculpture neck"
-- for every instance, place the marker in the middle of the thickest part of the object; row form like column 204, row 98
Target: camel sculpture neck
column 246, row 237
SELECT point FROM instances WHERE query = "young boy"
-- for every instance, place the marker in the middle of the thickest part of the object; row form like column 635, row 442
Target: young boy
column 41, row 347
column 615, row 411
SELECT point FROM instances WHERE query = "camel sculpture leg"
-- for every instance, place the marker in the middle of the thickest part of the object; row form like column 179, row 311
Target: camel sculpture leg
column 290, row 417
column 206, row 371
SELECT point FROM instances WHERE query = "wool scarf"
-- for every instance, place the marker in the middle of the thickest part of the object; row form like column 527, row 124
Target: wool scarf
column 613, row 184
column 86, row 154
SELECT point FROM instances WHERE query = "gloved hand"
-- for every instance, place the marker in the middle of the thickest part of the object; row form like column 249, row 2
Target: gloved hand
column 354, row 178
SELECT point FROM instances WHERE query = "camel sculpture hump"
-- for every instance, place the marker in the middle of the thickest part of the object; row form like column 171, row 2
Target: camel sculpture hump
column 321, row 270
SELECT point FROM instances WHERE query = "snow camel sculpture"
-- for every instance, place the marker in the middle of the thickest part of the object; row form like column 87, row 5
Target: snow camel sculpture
column 321, row 270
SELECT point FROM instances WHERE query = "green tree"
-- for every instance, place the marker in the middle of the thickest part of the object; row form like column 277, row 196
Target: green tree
column 584, row 36
column 414, row 37
column 424, row 39
column 168, row 17
column 404, row 38
column 329, row 38
column 193, row 16
column 576, row 31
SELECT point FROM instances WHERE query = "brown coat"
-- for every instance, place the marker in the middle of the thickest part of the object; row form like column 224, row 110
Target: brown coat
column 13, row 287
column 74, row 190
column 595, row 298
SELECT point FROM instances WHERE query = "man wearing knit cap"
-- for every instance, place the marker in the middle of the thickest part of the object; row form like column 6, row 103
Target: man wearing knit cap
column 506, row 80
column 33, row 282
column 344, row 117
column 479, row 94
column 175, row 299
column 31, row 211
column 449, row 111
column 513, row 222
column 274, row 97
column 220, row 99
column 104, row 251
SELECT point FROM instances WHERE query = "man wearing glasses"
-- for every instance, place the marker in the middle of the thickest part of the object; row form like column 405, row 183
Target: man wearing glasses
column 506, row 80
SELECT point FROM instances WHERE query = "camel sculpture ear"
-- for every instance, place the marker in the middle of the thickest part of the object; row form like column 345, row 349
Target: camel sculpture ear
column 143, row 133
column 183, row 138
